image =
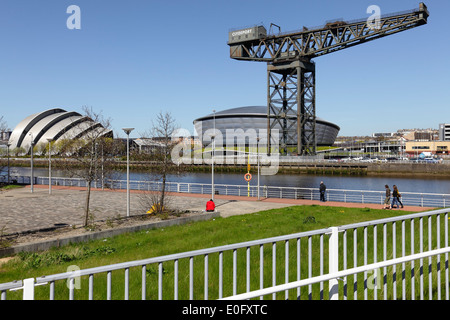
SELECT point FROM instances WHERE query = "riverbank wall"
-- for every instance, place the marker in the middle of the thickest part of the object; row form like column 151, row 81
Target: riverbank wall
column 303, row 167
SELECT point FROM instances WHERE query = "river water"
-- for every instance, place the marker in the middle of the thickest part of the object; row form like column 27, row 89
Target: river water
column 405, row 184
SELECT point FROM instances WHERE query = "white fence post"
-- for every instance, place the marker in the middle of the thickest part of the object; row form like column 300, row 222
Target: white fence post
column 333, row 262
column 28, row 289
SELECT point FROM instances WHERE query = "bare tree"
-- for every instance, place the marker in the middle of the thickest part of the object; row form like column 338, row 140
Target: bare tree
column 162, row 129
column 3, row 128
column 91, row 157
column 3, row 125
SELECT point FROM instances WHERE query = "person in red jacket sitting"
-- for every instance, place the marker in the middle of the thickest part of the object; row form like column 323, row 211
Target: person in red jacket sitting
column 210, row 206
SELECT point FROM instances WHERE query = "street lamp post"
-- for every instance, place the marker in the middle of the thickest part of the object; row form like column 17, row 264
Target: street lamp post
column 49, row 166
column 127, row 132
column 212, row 172
column 32, row 175
column 7, row 150
column 103, row 168
column 257, row 155
column 212, row 155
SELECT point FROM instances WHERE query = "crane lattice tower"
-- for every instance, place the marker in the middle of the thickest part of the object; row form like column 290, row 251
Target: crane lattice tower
column 291, row 73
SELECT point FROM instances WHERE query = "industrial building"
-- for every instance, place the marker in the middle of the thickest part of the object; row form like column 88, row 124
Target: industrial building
column 53, row 124
column 255, row 117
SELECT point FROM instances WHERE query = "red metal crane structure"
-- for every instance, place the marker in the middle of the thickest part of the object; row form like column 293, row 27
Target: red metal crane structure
column 291, row 75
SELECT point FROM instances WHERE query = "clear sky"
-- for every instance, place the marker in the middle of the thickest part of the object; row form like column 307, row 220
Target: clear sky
column 132, row 59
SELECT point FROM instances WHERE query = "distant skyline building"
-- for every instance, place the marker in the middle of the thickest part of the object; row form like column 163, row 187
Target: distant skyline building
column 444, row 131
column 382, row 134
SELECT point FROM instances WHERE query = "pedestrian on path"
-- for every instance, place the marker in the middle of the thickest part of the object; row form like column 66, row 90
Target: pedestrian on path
column 396, row 198
column 387, row 199
column 322, row 190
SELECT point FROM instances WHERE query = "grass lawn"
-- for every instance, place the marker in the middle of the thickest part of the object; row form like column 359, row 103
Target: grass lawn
column 193, row 236
column 11, row 186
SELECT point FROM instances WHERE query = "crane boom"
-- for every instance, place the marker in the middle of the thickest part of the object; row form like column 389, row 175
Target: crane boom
column 332, row 37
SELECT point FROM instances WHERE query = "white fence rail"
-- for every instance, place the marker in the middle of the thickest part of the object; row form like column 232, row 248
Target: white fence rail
column 435, row 200
column 342, row 274
column 303, row 265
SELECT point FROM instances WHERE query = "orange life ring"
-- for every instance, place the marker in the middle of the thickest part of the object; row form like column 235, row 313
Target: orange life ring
column 248, row 177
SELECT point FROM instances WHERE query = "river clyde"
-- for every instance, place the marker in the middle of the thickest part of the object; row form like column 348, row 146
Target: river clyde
column 411, row 183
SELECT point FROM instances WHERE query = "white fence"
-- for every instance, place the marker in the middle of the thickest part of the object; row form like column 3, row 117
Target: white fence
column 435, row 200
column 403, row 257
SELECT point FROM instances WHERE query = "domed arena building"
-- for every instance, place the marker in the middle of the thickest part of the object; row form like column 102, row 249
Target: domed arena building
column 54, row 124
column 255, row 117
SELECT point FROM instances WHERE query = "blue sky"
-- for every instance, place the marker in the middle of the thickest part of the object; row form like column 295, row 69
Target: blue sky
column 133, row 59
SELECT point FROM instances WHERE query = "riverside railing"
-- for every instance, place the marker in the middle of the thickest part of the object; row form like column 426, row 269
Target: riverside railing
column 400, row 257
column 435, row 200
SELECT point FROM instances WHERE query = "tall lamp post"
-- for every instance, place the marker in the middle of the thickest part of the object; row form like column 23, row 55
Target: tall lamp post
column 32, row 175
column 127, row 132
column 212, row 155
column 49, row 166
column 7, row 151
column 257, row 154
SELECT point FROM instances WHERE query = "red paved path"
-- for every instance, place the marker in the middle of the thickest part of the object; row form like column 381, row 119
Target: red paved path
column 273, row 200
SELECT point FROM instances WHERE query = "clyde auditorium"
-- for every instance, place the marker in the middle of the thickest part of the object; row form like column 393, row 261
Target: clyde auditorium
column 54, row 124
column 256, row 118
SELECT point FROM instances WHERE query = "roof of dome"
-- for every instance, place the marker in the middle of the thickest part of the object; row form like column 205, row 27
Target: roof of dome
column 51, row 124
column 250, row 111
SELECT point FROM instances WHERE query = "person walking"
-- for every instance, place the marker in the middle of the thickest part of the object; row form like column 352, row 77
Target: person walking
column 322, row 190
column 387, row 199
column 396, row 197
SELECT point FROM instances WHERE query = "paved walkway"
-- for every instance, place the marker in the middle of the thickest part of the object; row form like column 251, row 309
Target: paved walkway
column 21, row 210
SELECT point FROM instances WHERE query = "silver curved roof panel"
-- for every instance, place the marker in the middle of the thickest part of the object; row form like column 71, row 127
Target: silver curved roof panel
column 23, row 128
column 43, row 125
column 59, row 128
column 95, row 131
column 49, row 123
column 77, row 131
column 84, row 130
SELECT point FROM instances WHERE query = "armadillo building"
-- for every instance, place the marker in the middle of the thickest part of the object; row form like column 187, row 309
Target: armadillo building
column 255, row 117
column 54, row 124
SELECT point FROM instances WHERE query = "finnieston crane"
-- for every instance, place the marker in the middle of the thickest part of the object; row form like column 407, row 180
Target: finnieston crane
column 291, row 74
